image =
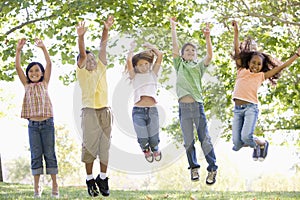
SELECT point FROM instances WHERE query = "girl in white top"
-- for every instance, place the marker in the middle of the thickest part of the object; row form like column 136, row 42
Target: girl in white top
column 143, row 74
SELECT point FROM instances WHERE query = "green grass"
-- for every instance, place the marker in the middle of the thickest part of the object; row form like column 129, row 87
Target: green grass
column 19, row 191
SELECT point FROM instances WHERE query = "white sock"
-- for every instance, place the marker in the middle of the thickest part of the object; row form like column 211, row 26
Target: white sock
column 102, row 175
column 89, row 177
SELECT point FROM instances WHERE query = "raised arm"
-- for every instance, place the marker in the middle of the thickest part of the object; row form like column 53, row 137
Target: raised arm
column 175, row 50
column 39, row 43
column 276, row 70
column 129, row 66
column 159, row 56
column 19, row 69
column 81, row 30
column 236, row 42
column 102, row 52
column 209, row 54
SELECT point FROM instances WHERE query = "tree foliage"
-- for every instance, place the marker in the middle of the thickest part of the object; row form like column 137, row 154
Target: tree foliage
column 274, row 24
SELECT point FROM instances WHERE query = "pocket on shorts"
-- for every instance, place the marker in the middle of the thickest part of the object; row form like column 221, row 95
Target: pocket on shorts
column 106, row 118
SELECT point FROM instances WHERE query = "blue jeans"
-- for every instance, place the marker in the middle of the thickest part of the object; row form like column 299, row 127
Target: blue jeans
column 191, row 114
column 42, row 144
column 243, row 125
column 146, row 126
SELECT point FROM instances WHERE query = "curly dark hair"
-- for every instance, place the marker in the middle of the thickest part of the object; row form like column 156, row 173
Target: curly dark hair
column 246, row 54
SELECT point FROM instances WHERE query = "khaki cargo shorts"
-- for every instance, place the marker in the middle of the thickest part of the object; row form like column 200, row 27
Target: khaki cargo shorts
column 96, row 126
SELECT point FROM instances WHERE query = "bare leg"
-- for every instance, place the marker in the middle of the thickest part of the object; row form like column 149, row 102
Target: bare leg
column 260, row 142
column 89, row 168
column 103, row 167
column 54, row 185
column 36, row 181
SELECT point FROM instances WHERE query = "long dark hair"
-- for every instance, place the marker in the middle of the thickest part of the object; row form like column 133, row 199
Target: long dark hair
column 246, row 54
column 29, row 67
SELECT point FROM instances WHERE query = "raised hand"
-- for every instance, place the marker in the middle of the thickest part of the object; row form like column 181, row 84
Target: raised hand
column 235, row 25
column 109, row 22
column 132, row 46
column 173, row 21
column 21, row 43
column 206, row 30
column 149, row 46
column 39, row 43
column 81, row 29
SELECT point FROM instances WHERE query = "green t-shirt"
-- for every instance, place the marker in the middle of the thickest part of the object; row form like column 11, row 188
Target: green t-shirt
column 189, row 76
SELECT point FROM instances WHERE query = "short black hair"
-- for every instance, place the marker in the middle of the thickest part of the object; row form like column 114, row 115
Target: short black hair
column 86, row 51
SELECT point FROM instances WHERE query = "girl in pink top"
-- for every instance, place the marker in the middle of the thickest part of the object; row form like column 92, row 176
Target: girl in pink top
column 253, row 67
column 37, row 109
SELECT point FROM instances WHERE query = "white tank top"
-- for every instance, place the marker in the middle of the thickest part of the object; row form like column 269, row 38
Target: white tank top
column 144, row 85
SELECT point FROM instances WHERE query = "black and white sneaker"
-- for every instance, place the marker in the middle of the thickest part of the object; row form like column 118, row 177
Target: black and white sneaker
column 92, row 188
column 194, row 174
column 256, row 153
column 263, row 151
column 211, row 177
column 103, row 185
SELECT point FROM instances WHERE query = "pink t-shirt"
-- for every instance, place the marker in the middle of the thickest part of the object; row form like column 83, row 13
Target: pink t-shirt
column 247, row 85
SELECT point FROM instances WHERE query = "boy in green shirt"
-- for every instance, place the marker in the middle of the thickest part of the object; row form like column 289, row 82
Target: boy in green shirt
column 191, row 110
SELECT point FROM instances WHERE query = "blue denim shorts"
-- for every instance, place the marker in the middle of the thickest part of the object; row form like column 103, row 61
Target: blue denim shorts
column 42, row 145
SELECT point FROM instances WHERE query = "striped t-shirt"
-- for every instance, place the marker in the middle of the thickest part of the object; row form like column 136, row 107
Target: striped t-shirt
column 36, row 102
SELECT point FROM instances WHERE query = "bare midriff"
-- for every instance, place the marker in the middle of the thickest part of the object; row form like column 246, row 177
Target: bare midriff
column 38, row 118
column 187, row 99
column 239, row 102
column 146, row 101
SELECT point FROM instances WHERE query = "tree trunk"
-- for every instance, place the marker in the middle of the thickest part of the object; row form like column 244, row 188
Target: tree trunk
column 1, row 177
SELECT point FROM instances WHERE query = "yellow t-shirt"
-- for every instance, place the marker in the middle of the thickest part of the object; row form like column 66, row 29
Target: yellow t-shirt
column 93, row 86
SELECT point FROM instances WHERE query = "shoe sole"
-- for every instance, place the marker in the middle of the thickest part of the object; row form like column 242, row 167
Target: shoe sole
column 208, row 183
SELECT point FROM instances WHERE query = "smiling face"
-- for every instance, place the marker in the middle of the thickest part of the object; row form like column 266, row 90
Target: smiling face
column 255, row 64
column 143, row 66
column 35, row 74
column 189, row 53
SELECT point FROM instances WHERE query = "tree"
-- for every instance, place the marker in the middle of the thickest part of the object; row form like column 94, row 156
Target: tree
column 274, row 24
column 68, row 156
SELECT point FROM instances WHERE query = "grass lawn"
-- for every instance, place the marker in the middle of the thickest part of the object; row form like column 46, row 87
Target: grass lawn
column 19, row 191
